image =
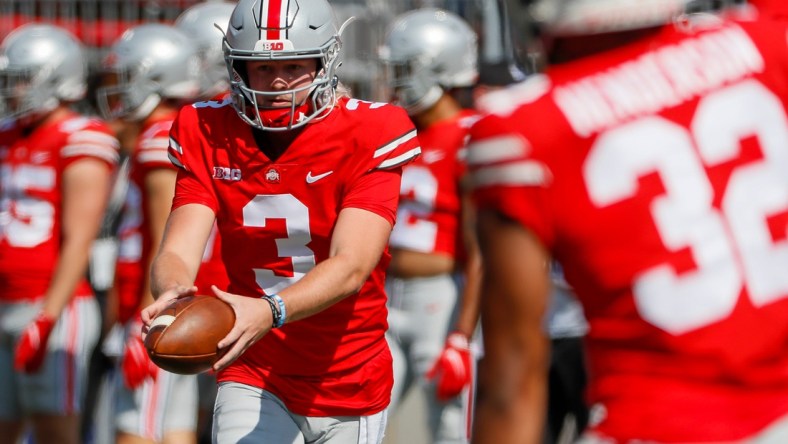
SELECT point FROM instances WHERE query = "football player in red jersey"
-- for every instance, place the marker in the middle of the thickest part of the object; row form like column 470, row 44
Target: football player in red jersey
column 650, row 160
column 304, row 185
column 55, row 173
column 149, row 72
column 433, row 279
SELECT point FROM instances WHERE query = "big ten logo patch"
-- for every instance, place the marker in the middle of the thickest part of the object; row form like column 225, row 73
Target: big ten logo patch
column 225, row 173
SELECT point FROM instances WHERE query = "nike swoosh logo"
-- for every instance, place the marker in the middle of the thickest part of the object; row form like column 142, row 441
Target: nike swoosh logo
column 312, row 179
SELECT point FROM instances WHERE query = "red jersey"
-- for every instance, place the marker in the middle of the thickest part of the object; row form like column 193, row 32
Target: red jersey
column 135, row 241
column 657, row 175
column 31, row 169
column 276, row 219
column 429, row 214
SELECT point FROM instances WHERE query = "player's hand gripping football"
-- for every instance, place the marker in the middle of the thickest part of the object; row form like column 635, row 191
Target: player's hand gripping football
column 164, row 300
column 136, row 364
column 451, row 373
column 32, row 346
column 253, row 319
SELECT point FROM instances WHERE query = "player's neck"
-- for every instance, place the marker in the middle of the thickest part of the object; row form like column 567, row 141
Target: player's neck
column 274, row 143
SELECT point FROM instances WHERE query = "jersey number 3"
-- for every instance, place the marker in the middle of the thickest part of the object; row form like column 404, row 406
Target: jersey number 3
column 294, row 246
column 731, row 243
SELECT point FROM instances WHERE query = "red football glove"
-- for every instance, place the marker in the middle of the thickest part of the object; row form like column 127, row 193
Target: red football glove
column 32, row 346
column 136, row 363
column 452, row 371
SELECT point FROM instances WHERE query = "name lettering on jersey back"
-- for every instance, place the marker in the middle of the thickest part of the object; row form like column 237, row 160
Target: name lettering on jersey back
column 659, row 79
column 225, row 173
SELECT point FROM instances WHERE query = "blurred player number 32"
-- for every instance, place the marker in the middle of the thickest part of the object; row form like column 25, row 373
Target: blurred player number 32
column 686, row 215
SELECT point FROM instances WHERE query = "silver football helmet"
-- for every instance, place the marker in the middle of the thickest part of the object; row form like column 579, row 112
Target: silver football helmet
column 270, row 30
column 206, row 24
column 427, row 51
column 41, row 66
column 586, row 17
column 146, row 64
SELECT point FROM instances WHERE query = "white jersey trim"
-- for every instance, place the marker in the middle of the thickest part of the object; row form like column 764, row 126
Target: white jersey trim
column 523, row 173
column 399, row 160
column 497, row 149
column 391, row 146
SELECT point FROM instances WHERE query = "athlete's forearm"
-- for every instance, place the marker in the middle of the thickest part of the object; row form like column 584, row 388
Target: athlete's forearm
column 183, row 242
column 328, row 283
column 513, row 373
column 86, row 185
column 169, row 271
column 358, row 242
column 470, row 301
column 70, row 270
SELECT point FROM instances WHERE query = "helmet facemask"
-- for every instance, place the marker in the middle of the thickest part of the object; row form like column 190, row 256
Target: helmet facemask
column 22, row 94
column 317, row 104
column 41, row 66
column 412, row 83
column 148, row 65
column 123, row 97
column 283, row 30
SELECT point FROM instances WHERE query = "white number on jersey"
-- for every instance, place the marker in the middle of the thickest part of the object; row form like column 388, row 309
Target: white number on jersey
column 26, row 221
column 296, row 215
column 732, row 246
column 412, row 231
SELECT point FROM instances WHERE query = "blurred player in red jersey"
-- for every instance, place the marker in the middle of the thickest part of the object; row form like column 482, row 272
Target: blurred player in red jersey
column 304, row 185
column 650, row 161
column 55, row 173
column 433, row 279
column 149, row 72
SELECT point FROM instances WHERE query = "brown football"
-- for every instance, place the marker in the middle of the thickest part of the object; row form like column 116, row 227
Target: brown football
column 183, row 338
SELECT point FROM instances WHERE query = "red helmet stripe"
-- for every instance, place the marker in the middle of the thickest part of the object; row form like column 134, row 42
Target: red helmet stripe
column 274, row 21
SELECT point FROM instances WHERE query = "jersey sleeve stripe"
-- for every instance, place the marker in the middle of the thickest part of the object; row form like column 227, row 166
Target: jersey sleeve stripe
column 399, row 160
column 108, row 154
column 94, row 137
column 175, row 161
column 153, row 156
column 523, row 173
column 156, row 142
column 176, row 146
column 391, row 146
column 497, row 149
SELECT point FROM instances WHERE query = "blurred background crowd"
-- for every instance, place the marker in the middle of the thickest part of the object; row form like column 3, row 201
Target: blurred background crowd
column 98, row 23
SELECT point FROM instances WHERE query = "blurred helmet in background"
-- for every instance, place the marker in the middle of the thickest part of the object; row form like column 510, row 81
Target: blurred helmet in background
column 206, row 24
column 41, row 66
column 427, row 51
column 146, row 64
column 282, row 30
